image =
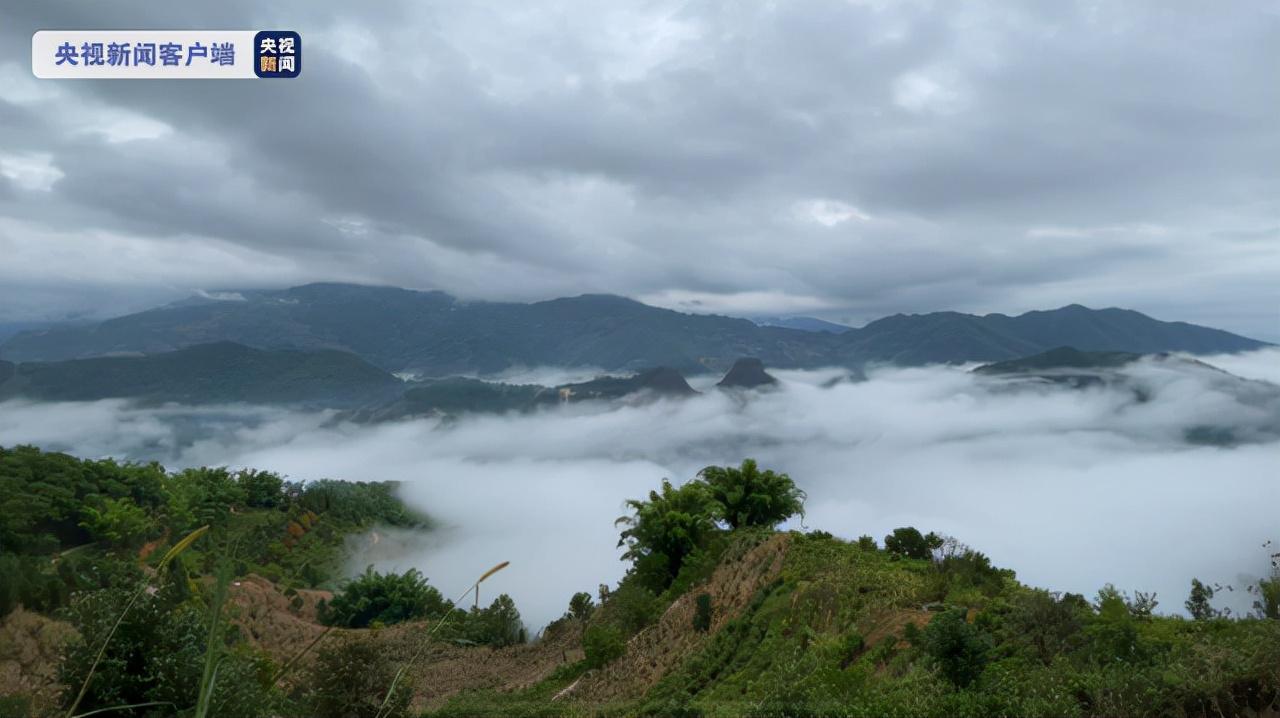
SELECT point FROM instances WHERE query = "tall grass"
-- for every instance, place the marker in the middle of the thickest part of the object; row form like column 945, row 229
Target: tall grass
column 385, row 709
column 161, row 568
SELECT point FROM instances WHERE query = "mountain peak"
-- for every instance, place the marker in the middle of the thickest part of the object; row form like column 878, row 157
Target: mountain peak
column 747, row 373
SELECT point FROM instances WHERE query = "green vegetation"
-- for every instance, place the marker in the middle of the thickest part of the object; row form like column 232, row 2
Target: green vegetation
column 924, row 627
column 748, row 622
column 218, row 372
column 747, row 496
column 377, row 598
column 85, row 542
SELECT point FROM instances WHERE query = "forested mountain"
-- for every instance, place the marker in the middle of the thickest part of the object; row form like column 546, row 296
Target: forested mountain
column 207, row 373
column 438, row 335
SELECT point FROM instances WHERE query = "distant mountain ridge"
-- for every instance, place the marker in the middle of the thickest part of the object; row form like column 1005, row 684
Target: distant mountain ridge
column 222, row 372
column 435, row 334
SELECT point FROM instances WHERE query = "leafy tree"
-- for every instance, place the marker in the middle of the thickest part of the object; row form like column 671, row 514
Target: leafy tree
column 350, row 680
column 262, row 489
column 581, row 606
column 602, row 644
column 118, row 522
column 1050, row 624
column 667, row 528
column 1198, row 602
column 498, row 625
column 1268, row 603
column 747, row 496
column 385, row 598
column 867, row 543
column 908, row 542
column 1113, row 632
column 958, row 648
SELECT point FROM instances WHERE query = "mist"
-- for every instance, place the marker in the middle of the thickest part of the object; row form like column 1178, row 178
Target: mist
column 1070, row 488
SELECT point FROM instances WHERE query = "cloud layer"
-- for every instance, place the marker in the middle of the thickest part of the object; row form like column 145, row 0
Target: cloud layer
column 852, row 159
column 1071, row 489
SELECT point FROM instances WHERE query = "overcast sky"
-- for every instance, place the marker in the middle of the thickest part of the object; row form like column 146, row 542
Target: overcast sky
column 841, row 159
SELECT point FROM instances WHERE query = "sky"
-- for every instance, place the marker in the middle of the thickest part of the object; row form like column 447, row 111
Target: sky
column 1071, row 489
column 843, row 159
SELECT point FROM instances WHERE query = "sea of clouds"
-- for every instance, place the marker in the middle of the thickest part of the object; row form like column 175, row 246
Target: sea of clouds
column 1070, row 488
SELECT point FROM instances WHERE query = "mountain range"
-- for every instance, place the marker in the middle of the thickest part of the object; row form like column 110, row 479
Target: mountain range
column 434, row 334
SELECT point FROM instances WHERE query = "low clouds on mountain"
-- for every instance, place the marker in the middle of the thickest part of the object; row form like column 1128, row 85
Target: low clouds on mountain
column 1070, row 488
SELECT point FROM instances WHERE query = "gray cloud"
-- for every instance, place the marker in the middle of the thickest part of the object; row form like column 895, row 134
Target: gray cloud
column 1072, row 489
column 856, row 158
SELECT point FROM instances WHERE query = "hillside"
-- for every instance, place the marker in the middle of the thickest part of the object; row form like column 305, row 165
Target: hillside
column 745, row 620
column 436, row 335
column 221, row 372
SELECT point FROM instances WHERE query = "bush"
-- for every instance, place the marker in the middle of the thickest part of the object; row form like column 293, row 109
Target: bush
column 385, row 598
column 351, row 679
column 702, row 613
column 602, row 645
column 157, row 654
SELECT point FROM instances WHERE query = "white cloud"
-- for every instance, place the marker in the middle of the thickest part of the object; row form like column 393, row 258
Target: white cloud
column 1072, row 489
column 32, row 171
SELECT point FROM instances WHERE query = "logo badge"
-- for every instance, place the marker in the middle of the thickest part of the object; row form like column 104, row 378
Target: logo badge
column 277, row 53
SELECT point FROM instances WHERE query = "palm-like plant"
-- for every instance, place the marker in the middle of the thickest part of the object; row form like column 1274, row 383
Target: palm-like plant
column 747, row 496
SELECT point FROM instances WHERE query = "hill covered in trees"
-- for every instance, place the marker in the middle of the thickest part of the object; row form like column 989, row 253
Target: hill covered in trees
column 171, row 593
column 436, row 335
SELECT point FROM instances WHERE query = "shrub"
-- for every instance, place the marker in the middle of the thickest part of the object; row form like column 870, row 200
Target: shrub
column 702, row 613
column 157, row 654
column 351, row 679
column 602, row 645
column 867, row 543
column 387, row 598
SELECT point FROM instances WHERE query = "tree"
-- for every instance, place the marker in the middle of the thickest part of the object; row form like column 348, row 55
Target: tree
column 1268, row 603
column 668, row 527
column 581, row 606
column 1198, row 602
column 498, row 625
column 1049, row 623
column 262, row 489
column 908, row 542
column 117, row 522
column 957, row 647
column 746, row 496
column 384, row 598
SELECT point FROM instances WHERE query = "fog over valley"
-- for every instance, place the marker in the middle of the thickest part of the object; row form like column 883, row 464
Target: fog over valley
column 1070, row 487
